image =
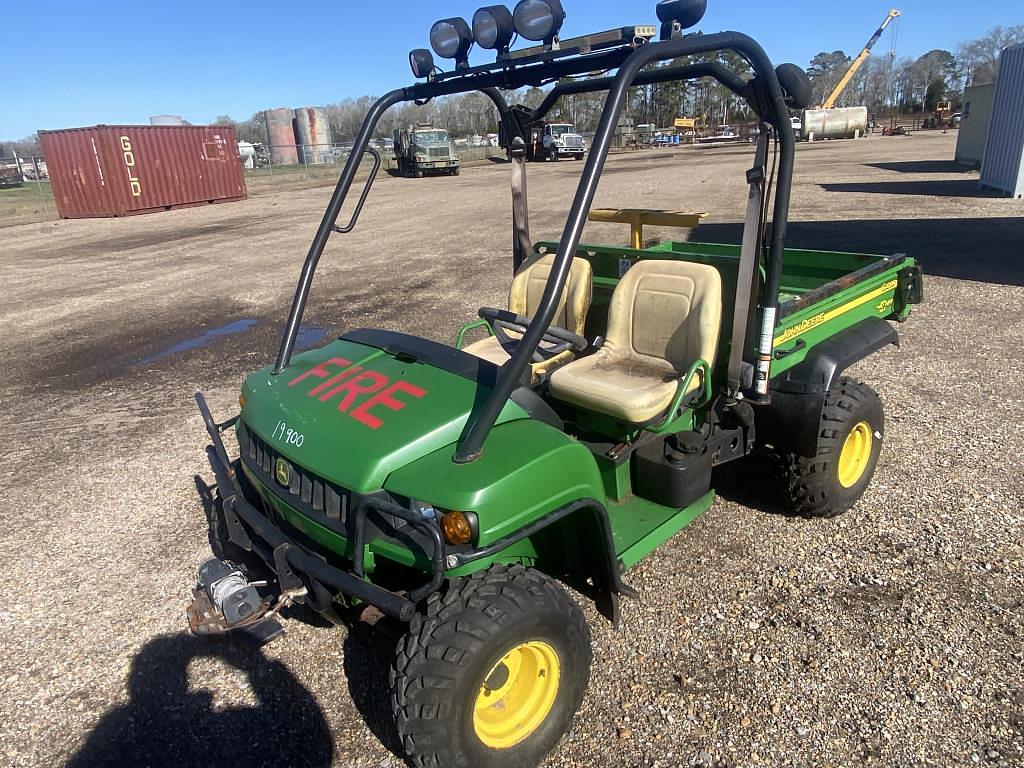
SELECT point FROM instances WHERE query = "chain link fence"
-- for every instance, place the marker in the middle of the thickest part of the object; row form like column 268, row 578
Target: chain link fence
column 25, row 194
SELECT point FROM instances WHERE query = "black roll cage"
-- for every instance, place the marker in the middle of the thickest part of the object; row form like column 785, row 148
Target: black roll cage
column 763, row 92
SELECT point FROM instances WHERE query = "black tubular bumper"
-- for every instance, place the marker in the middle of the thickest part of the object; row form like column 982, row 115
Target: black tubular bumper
column 294, row 565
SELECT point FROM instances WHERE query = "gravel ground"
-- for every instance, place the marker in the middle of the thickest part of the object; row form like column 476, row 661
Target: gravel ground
column 891, row 636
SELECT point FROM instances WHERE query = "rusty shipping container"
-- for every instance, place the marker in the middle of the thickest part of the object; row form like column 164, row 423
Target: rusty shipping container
column 122, row 170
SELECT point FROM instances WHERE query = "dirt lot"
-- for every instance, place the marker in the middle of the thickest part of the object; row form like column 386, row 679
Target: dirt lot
column 892, row 636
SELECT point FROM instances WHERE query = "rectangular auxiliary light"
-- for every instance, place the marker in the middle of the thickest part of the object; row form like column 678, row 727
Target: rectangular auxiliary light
column 597, row 41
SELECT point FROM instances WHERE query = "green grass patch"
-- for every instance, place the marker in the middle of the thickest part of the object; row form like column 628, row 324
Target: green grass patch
column 25, row 205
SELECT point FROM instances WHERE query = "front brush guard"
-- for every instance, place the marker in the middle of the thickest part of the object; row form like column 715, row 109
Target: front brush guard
column 294, row 565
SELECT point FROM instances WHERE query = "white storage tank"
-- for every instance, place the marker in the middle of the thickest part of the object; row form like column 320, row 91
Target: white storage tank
column 1003, row 166
column 841, row 123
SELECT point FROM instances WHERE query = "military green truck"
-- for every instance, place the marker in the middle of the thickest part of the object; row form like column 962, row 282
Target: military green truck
column 455, row 488
column 425, row 150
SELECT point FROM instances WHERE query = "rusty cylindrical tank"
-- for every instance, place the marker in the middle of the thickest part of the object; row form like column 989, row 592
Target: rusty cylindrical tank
column 314, row 134
column 281, row 137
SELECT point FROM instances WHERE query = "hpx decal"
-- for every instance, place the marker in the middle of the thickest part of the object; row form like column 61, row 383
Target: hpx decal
column 356, row 386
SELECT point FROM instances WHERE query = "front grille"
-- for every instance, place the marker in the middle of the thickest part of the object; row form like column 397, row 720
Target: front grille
column 441, row 152
column 576, row 142
column 314, row 492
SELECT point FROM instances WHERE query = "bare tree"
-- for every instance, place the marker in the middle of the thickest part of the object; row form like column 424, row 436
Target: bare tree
column 979, row 59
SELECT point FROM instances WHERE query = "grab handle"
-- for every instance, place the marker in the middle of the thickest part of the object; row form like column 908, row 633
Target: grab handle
column 362, row 198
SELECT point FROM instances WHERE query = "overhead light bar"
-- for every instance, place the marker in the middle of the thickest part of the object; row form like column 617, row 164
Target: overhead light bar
column 494, row 28
column 539, row 20
column 634, row 36
column 452, row 39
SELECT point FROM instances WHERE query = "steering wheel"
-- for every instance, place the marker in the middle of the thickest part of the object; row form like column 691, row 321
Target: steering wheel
column 554, row 342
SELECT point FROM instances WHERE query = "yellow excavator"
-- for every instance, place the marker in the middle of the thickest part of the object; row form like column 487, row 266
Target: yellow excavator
column 831, row 100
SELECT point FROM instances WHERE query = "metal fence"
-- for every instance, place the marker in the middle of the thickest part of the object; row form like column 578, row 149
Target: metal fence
column 275, row 167
column 25, row 194
column 29, row 198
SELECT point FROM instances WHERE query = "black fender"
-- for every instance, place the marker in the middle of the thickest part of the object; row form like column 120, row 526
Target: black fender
column 790, row 422
column 590, row 519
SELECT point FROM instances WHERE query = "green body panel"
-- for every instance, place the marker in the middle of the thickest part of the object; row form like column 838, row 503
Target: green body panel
column 640, row 526
column 349, row 446
column 527, row 470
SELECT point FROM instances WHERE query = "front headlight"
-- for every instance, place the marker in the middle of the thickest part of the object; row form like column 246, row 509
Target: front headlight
column 420, row 156
column 457, row 528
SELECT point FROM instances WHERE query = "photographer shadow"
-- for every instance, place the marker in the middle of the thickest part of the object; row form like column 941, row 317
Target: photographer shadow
column 168, row 723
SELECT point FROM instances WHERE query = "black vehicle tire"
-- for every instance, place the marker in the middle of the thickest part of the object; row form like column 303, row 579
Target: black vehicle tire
column 418, row 173
column 484, row 625
column 456, row 171
column 849, row 443
column 220, row 541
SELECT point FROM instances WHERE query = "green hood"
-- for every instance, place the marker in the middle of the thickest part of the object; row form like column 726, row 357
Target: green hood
column 353, row 413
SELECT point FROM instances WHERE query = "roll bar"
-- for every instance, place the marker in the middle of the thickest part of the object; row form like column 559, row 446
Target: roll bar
column 629, row 62
column 471, row 446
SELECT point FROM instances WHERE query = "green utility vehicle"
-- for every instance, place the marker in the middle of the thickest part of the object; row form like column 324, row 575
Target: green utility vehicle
column 454, row 487
column 425, row 150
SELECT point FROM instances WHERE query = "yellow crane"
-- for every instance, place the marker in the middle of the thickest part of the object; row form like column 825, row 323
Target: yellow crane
column 831, row 100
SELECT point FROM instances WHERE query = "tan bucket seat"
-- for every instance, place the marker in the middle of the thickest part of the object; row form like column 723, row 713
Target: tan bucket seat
column 524, row 299
column 663, row 317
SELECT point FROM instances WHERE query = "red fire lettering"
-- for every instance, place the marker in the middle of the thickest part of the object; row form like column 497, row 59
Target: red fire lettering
column 362, row 413
column 321, row 371
column 353, row 389
column 334, row 380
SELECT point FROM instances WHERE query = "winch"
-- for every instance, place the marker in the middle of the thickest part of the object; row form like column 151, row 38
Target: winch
column 224, row 600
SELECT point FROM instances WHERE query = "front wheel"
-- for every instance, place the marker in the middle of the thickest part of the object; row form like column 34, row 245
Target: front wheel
column 493, row 672
column 849, row 443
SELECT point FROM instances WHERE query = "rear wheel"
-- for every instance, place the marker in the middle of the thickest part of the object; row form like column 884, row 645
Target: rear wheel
column 849, row 442
column 492, row 673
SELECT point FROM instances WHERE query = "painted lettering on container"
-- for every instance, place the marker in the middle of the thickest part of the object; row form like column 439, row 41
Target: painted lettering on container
column 129, row 160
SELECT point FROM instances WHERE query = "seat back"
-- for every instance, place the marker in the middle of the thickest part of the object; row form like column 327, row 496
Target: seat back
column 531, row 280
column 670, row 310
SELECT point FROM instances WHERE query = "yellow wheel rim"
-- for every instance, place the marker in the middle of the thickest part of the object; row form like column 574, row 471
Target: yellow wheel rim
column 856, row 453
column 516, row 695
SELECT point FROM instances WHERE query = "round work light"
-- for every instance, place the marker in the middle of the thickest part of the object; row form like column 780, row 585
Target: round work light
column 451, row 39
column 422, row 63
column 796, row 86
column 493, row 27
column 687, row 13
column 538, row 19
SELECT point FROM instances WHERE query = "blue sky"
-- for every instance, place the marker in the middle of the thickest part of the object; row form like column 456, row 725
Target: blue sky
column 92, row 61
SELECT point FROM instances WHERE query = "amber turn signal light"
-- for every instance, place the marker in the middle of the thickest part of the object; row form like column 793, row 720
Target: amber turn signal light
column 456, row 528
